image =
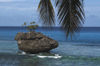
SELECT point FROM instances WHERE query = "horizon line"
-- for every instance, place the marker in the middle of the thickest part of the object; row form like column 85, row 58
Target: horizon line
column 54, row 26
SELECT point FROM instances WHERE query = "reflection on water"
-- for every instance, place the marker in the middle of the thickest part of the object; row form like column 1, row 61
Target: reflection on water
column 25, row 60
column 73, row 54
column 14, row 60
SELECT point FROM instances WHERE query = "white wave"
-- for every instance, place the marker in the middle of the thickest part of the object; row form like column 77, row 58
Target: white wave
column 57, row 56
column 22, row 53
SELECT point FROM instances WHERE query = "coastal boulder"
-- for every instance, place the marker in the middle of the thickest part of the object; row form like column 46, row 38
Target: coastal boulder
column 35, row 42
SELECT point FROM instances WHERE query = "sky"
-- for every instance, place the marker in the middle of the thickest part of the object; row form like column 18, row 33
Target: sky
column 16, row 12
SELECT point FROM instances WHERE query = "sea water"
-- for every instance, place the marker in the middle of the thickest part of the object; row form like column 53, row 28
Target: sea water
column 82, row 50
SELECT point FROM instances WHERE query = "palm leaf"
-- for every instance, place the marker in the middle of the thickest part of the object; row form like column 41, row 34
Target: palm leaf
column 46, row 12
column 71, row 15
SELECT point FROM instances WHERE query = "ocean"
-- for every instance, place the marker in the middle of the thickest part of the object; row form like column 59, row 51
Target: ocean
column 82, row 50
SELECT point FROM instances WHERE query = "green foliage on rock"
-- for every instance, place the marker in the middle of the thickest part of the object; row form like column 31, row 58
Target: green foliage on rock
column 31, row 27
column 24, row 24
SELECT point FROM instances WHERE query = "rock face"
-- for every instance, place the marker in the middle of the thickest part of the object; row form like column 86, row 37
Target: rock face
column 35, row 42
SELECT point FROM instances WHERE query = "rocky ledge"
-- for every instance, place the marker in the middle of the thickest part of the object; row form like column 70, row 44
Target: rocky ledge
column 35, row 42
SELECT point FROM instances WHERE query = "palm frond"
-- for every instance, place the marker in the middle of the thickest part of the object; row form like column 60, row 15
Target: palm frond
column 71, row 14
column 46, row 11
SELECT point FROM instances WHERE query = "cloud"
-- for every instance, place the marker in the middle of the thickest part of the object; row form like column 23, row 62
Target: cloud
column 10, row 0
column 10, row 5
column 15, row 12
column 92, row 21
column 5, row 0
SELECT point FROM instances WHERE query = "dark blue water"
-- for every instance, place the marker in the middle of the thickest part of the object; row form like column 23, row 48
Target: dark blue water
column 86, row 35
column 82, row 50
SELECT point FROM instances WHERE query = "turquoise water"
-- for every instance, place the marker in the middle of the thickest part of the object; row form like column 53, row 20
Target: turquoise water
column 82, row 50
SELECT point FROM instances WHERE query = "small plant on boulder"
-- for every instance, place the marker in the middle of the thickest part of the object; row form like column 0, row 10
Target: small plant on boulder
column 31, row 27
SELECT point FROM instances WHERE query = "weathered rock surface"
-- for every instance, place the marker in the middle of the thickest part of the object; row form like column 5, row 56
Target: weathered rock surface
column 35, row 42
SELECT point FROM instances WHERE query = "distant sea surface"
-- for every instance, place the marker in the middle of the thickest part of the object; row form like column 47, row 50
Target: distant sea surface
column 86, row 34
column 82, row 50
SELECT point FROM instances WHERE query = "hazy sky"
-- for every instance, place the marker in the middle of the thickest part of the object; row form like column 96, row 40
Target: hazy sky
column 15, row 12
